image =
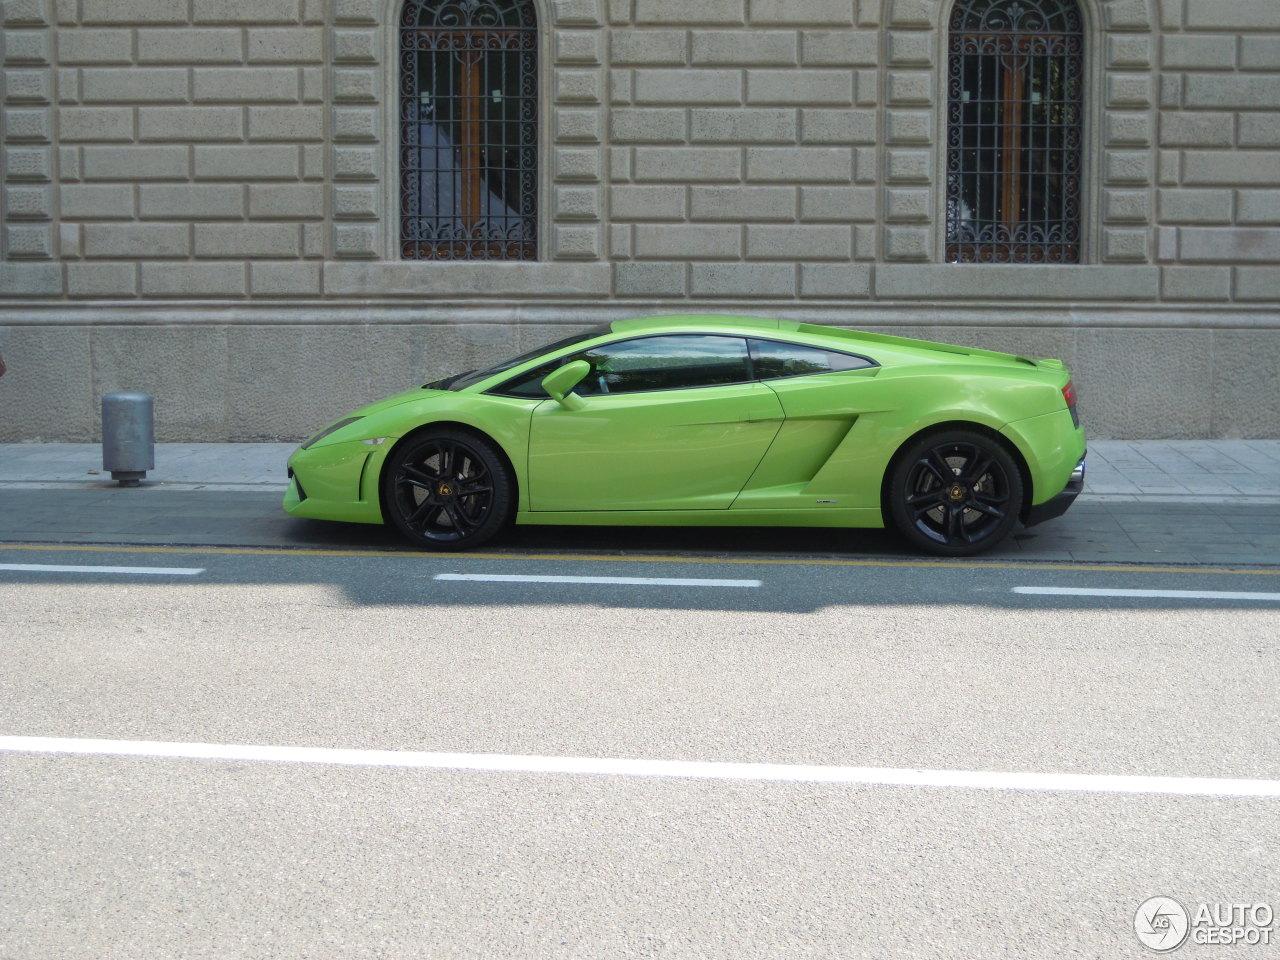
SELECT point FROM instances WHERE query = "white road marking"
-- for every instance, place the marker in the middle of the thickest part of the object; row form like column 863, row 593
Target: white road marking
column 868, row 776
column 68, row 568
column 1152, row 594
column 628, row 581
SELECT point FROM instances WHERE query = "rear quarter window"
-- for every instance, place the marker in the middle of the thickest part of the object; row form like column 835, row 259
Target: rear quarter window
column 773, row 360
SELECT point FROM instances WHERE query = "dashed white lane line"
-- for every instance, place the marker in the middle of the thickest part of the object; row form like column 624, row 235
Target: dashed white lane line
column 1149, row 594
column 684, row 769
column 70, row 568
column 625, row 581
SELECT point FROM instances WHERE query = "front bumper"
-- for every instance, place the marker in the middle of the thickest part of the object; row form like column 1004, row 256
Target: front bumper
column 336, row 481
column 1057, row 506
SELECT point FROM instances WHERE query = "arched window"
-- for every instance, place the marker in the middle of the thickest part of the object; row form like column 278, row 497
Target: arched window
column 1014, row 129
column 468, row 130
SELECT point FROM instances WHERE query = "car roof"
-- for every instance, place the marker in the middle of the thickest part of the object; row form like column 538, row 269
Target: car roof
column 837, row 338
column 701, row 322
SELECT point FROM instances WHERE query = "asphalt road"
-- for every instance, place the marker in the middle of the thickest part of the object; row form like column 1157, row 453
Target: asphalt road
column 835, row 679
column 1096, row 529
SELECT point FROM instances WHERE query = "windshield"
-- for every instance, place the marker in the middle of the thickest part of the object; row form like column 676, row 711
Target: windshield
column 463, row 380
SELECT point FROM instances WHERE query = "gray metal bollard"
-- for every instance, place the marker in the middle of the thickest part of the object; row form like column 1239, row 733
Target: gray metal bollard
column 128, row 436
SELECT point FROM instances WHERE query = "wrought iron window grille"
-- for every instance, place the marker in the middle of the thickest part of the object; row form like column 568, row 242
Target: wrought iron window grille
column 468, row 130
column 1015, row 131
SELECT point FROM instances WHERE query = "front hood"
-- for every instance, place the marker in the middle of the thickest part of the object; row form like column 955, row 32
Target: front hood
column 355, row 422
column 395, row 400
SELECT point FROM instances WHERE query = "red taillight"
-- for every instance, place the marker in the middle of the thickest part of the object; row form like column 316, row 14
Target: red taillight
column 1069, row 394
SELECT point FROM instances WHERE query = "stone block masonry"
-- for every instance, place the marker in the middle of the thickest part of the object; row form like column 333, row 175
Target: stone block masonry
column 166, row 131
column 1219, row 143
column 203, row 176
column 227, row 111
column 27, row 151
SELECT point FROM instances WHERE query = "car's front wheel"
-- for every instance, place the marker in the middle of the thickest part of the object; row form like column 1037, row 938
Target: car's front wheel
column 447, row 490
column 955, row 493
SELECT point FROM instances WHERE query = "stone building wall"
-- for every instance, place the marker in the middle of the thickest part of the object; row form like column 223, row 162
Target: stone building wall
column 200, row 201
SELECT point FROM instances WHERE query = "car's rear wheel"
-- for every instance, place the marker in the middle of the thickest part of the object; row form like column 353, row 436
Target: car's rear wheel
column 447, row 490
column 955, row 493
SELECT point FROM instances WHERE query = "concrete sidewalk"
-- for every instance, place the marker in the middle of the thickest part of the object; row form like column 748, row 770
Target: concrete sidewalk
column 186, row 466
column 1169, row 471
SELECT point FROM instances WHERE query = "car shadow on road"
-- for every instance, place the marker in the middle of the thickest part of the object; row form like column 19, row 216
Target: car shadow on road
column 696, row 542
column 800, row 571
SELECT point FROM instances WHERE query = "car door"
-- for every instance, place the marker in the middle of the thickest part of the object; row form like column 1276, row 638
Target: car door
column 670, row 422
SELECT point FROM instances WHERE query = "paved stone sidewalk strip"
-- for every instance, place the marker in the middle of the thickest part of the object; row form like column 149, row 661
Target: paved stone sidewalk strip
column 188, row 464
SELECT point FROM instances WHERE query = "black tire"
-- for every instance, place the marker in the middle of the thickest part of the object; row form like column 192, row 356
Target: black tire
column 447, row 490
column 955, row 493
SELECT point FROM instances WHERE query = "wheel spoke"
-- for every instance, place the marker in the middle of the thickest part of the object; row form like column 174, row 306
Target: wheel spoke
column 973, row 475
column 934, row 495
column 420, row 513
column 461, row 522
column 415, row 477
column 423, row 472
column 474, row 513
column 990, row 499
column 922, row 503
column 919, row 515
column 471, row 488
column 955, row 524
column 990, row 509
column 462, row 463
column 937, row 464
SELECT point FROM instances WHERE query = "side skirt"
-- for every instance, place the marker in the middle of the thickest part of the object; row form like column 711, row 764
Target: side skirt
column 862, row 517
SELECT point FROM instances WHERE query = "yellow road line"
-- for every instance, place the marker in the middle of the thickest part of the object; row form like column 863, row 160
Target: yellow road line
column 606, row 558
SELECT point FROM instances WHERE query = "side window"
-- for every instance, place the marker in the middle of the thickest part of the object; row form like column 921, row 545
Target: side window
column 664, row 363
column 773, row 360
column 529, row 385
column 647, row 363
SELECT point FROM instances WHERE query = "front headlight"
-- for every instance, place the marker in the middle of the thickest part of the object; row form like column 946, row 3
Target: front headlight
column 333, row 427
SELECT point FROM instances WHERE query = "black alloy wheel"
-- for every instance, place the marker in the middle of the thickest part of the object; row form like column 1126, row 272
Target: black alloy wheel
column 447, row 490
column 955, row 493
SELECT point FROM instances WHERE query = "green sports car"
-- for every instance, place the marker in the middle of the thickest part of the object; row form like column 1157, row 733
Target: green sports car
column 711, row 421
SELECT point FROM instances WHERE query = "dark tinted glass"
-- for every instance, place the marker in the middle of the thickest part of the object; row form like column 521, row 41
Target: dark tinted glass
column 647, row 363
column 773, row 360
column 529, row 384
column 475, row 376
column 664, row 363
